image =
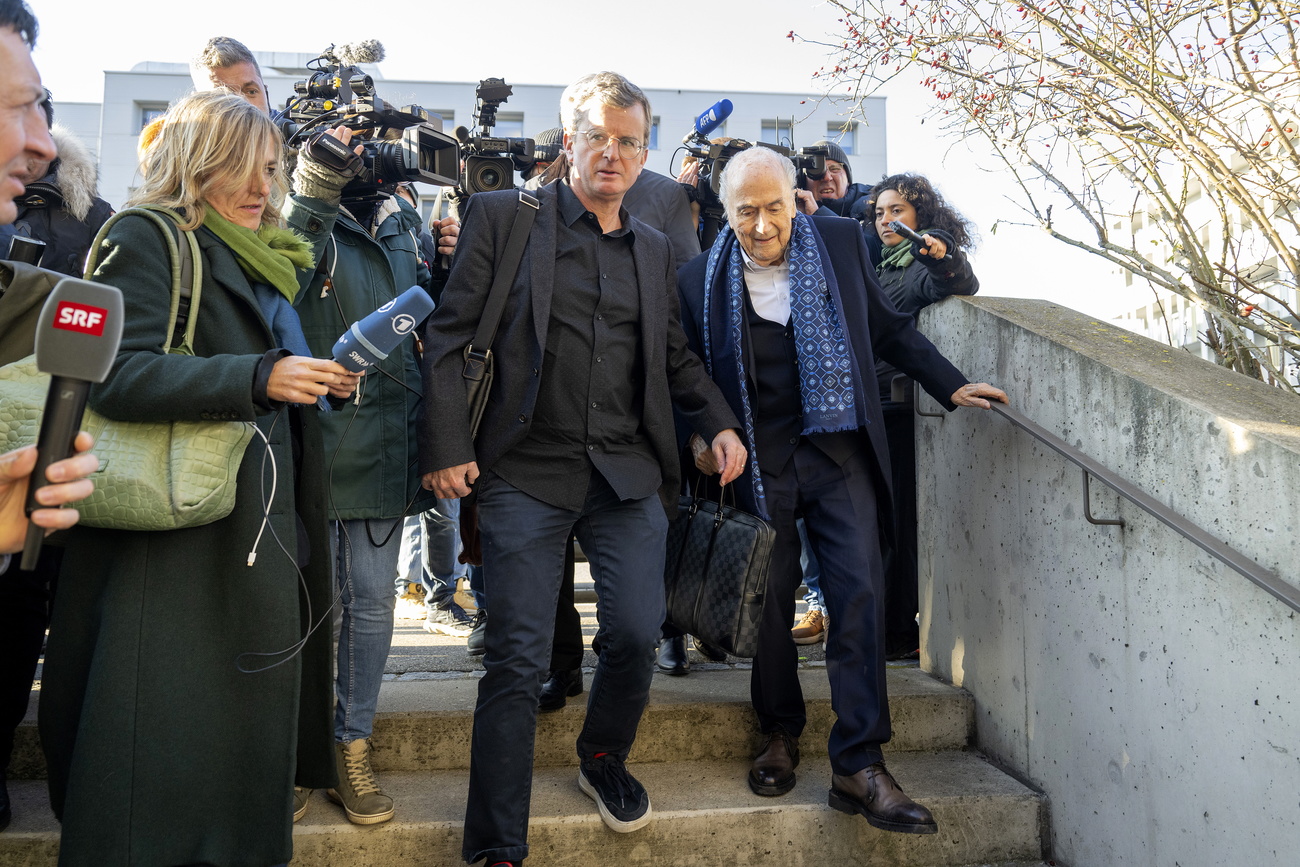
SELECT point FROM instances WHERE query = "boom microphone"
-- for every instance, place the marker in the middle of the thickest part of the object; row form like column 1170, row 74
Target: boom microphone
column 77, row 337
column 710, row 120
column 369, row 341
column 357, row 53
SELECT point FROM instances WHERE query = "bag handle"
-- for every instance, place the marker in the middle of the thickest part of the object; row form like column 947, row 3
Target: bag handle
column 186, row 268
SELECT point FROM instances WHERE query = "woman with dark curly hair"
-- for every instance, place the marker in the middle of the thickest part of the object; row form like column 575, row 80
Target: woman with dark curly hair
column 914, row 275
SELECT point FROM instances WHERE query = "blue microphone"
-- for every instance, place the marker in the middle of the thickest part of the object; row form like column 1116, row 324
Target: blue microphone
column 710, row 120
column 369, row 341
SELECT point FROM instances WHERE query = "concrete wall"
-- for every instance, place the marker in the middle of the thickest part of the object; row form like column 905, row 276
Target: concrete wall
column 1149, row 690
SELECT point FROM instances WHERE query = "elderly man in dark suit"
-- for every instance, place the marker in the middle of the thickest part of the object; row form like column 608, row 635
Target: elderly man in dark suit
column 577, row 436
column 787, row 314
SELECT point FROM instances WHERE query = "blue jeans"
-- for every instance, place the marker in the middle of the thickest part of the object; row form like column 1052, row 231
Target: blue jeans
column 476, row 587
column 364, row 574
column 524, row 541
column 430, row 545
column 812, row 571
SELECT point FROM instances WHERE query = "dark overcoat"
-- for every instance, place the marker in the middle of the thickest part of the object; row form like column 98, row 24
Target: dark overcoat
column 169, row 736
column 873, row 325
column 674, row 376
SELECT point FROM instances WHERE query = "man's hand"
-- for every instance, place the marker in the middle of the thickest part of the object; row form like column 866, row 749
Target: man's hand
column 729, row 454
column 450, row 483
column 973, row 394
column 806, row 201
column 689, row 175
column 447, row 235
column 704, row 460
column 68, row 483
column 299, row 379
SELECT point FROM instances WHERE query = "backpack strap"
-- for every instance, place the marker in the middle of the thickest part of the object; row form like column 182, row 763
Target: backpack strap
column 186, row 270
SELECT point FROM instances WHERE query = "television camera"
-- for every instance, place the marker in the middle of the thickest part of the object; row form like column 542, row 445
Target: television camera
column 399, row 144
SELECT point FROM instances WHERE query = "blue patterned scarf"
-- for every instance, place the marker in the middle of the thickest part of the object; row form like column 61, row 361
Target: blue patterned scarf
column 828, row 383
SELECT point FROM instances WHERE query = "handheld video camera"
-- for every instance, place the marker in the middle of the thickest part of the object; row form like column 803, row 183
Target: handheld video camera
column 811, row 162
column 399, row 144
column 489, row 160
column 713, row 158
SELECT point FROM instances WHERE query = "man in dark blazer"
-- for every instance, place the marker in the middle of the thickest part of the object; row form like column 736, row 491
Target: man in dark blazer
column 577, row 436
column 786, row 312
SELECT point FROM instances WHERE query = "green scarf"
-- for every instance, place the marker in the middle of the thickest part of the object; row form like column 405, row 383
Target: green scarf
column 268, row 255
column 898, row 255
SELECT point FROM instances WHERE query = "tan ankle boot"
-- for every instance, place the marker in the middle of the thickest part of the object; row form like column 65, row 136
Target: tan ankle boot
column 358, row 790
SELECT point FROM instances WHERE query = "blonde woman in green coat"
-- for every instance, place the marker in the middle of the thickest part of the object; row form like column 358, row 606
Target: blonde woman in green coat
column 179, row 694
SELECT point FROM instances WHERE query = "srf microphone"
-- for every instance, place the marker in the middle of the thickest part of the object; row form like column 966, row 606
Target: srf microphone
column 77, row 337
column 710, row 120
column 369, row 341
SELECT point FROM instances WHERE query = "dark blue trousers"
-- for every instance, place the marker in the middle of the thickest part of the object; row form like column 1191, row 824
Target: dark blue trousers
column 838, row 504
column 524, row 543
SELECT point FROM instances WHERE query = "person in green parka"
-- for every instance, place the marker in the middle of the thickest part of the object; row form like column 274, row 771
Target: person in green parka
column 186, row 682
column 368, row 248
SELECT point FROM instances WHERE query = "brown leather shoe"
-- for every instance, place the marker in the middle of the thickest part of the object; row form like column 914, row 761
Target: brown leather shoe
column 773, row 770
column 873, row 793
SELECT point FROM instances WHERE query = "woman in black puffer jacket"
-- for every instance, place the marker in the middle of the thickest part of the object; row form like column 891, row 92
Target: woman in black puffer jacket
column 914, row 275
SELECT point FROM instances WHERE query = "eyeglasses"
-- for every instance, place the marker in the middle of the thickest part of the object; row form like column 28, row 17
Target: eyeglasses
column 628, row 148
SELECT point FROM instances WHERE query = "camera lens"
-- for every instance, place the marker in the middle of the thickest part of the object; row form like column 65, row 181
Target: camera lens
column 483, row 174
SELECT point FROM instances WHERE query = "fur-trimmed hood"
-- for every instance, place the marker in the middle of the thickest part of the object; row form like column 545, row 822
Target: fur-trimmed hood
column 74, row 174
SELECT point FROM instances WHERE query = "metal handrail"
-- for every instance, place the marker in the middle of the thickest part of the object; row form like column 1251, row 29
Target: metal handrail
column 1261, row 576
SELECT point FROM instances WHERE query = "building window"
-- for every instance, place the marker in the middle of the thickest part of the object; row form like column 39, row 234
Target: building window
column 653, row 144
column 777, row 132
column 845, row 135
column 509, row 125
column 150, row 111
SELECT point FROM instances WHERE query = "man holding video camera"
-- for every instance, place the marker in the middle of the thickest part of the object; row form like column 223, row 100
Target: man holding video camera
column 577, row 437
column 832, row 192
column 364, row 239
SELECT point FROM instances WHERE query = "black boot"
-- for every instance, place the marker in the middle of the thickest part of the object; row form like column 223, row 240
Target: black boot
column 559, row 686
column 671, row 658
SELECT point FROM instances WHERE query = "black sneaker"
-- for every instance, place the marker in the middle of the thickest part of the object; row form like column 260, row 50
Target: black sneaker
column 451, row 620
column 476, row 644
column 623, row 803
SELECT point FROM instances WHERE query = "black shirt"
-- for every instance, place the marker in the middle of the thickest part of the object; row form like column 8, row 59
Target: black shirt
column 591, row 395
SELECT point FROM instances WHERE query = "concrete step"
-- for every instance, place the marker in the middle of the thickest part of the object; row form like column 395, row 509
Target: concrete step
column 424, row 723
column 704, row 815
column 703, row 716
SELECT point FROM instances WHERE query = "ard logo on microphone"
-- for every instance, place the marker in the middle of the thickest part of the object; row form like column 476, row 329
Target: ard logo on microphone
column 82, row 318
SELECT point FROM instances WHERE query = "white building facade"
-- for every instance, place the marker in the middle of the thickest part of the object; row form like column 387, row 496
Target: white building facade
column 133, row 98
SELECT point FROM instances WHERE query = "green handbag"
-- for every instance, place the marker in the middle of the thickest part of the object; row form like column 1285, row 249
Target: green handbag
column 152, row 475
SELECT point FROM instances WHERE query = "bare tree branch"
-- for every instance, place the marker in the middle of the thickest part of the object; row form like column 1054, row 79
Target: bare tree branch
column 1184, row 111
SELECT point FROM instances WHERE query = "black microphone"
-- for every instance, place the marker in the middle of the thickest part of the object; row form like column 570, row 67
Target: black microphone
column 369, row 341
column 912, row 235
column 710, row 120
column 24, row 249
column 77, row 337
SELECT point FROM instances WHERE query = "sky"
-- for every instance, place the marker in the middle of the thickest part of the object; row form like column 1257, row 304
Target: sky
column 668, row 44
